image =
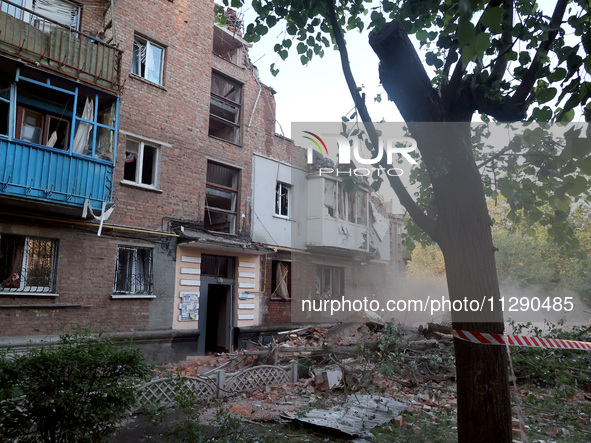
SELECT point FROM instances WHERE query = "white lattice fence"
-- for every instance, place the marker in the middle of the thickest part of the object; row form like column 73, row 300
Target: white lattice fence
column 220, row 384
column 257, row 377
column 164, row 390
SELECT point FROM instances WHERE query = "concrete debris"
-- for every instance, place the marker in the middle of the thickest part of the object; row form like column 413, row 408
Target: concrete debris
column 328, row 378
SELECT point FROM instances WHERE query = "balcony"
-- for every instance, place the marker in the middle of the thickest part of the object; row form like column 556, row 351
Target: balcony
column 54, row 176
column 337, row 219
column 57, row 140
column 30, row 36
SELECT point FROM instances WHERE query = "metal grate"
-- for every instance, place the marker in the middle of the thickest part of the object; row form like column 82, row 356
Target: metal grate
column 133, row 274
column 27, row 264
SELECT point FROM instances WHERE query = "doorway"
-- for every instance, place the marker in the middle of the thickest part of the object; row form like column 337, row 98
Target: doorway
column 218, row 318
column 216, row 304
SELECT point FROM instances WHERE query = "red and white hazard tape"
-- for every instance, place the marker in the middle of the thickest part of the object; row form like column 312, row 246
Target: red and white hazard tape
column 521, row 340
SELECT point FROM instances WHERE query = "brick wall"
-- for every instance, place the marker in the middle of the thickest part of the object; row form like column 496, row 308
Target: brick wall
column 275, row 309
column 85, row 274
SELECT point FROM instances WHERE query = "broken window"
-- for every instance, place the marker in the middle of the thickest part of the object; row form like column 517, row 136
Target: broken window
column 27, row 264
column 361, row 208
column 281, row 279
column 63, row 12
column 141, row 163
column 148, row 60
column 225, row 108
column 330, row 205
column 226, row 44
column 217, row 266
column 330, row 281
column 351, row 209
column 221, row 198
column 282, row 199
column 43, row 114
column 4, row 105
column 133, row 272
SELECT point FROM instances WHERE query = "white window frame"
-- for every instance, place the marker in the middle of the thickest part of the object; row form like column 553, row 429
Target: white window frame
column 283, row 190
column 137, row 181
column 136, row 290
column 136, row 64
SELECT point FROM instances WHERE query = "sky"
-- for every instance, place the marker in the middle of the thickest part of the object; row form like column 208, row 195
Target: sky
column 318, row 91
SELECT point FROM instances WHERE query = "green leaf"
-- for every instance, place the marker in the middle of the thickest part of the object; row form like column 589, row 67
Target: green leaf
column 585, row 166
column 492, row 18
column 271, row 20
column 545, row 95
column 422, row 35
column 301, row 48
column 465, row 32
column 562, row 204
column 567, row 117
column 274, row 71
column 304, row 60
column 481, row 43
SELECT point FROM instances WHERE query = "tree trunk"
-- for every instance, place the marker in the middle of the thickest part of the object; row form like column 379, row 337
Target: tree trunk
column 462, row 230
column 464, row 235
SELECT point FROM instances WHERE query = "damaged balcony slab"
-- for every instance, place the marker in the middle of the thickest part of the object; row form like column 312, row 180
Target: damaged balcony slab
column 221, row 242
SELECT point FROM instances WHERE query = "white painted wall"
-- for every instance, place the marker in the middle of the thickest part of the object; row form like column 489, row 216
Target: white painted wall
column 266, row 226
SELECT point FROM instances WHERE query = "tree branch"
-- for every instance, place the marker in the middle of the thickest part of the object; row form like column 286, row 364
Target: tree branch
column 500, row 65
column 519, row 97
column 423, row 221
column 403, row 76
column 494, row 157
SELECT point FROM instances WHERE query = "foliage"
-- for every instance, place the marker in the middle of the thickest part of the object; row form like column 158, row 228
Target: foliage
column 437, row 427
column 564, row 369
column 480, row 37
column 426, row 261
column 187, row 410
column 75, row 390
column 392, row 357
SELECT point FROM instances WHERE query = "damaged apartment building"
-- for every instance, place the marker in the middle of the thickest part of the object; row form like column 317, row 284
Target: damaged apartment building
column 143, row 189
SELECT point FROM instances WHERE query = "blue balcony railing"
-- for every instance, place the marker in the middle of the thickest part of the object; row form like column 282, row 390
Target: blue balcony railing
column 52, row 175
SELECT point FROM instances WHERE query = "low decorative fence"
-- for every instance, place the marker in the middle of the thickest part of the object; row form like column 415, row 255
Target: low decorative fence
column 219, row 384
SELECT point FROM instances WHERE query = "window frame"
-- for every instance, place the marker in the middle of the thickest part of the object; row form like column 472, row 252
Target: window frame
column 274, row 277
column 137, row 67
column 148, row 282
column 335, row 274
column 23, row 288
column 279, row 205
column 237, row 124
column 216, row 187
column 140, row 163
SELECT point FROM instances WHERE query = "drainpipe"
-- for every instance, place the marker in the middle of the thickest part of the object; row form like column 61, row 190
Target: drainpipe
column 255, row 103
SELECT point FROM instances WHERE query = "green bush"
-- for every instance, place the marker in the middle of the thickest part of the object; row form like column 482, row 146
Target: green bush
column 75, row 390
